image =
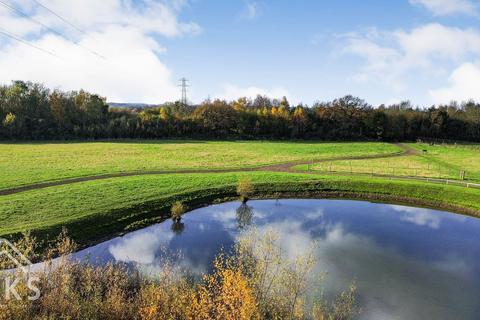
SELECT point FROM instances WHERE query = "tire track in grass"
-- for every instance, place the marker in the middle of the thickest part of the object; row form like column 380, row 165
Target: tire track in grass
column 288, row 166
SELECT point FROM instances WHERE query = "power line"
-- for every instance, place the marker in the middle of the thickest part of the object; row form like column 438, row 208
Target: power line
column 59, row 16
column 67, row 22
column 17, row 38
column 23, row 14
column 20, row 12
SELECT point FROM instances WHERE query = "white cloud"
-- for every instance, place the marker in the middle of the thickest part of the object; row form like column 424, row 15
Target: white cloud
column 418, row 216
column 140, row 247
column 125, row 32
column 16, row 24
column 91, row 15
column 232, row 92
column 252, row 10
column 390, row 57
column 463, row 85
column 447, row 7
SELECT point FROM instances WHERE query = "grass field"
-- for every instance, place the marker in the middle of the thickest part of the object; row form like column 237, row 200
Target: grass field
column 99, row 209
column 28, row 163
column 439, row 161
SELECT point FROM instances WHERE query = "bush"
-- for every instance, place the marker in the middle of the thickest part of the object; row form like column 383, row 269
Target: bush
column 257, row 281
column 178, row 209
column 244, row 189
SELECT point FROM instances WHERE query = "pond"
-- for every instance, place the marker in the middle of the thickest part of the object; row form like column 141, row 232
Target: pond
column 408, row 263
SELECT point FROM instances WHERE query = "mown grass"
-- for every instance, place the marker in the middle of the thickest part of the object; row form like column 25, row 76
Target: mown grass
column 27, row 163
column 439, row 161
column 100, row 209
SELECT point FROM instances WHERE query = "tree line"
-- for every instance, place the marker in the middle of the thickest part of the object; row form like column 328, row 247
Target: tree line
column 30, row 111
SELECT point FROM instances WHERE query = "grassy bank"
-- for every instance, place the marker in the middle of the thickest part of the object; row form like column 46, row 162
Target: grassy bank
column 27, row 163
column 97, row 210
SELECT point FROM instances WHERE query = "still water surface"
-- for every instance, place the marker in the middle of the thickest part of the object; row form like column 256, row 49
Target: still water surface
column 408, row 263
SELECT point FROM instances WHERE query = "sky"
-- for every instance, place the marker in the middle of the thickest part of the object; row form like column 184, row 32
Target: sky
column 425, row 51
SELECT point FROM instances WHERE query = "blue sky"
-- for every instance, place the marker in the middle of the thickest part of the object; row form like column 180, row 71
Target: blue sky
column 426, row 51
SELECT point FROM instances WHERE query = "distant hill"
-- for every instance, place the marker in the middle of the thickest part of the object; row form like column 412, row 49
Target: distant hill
column 137, row 106
column 129, row 105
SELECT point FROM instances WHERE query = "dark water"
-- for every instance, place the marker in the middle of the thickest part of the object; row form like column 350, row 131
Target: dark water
column 408, row 263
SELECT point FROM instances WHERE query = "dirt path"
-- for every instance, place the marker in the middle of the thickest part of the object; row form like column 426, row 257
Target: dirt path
column 288, row 167
column 283, row 167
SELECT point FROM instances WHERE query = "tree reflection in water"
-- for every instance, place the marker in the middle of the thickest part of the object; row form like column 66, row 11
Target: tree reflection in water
column 177, row 227
column 244, row 216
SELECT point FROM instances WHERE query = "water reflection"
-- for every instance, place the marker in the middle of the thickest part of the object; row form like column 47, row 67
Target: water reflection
column 419, row 216
column 409, row 263
column 141, row 248
column 244, row 216
column 177, row 227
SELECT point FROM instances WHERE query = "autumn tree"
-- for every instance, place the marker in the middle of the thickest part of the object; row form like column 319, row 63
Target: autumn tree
column 217, row 118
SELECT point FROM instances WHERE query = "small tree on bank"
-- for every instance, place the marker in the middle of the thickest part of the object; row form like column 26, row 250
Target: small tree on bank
column 178, row 209
column 244, row 189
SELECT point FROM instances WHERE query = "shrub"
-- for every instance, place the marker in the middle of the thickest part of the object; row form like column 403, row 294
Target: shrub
column 244, row 189
column 257, row 281
column 178, row 209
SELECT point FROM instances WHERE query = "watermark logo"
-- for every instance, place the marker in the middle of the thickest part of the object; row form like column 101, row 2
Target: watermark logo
column 15, row 273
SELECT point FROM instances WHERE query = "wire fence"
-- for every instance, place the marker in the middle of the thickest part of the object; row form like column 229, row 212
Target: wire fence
column 450, row 143
column 429, row 173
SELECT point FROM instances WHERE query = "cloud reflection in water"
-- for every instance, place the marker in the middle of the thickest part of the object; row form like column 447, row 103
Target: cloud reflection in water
column 402, row 271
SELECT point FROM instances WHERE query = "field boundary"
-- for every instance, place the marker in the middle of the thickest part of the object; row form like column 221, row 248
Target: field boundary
column 392, row 177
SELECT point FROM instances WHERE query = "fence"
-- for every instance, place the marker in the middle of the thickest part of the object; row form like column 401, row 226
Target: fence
column 452, row 143
column 444, row 176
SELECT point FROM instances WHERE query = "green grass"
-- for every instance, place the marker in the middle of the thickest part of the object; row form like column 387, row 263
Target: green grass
column 438, row 162
column 27, row 163
column 453, row 158
column 40, row 208
column 99, row 209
